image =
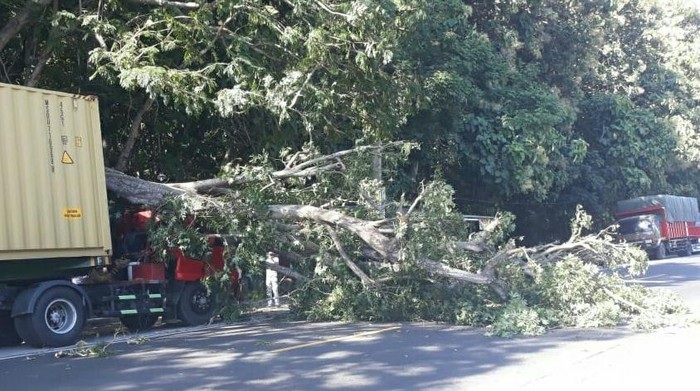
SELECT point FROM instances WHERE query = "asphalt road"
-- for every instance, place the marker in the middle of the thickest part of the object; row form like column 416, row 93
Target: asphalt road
column 364, row 356
column 678, row 274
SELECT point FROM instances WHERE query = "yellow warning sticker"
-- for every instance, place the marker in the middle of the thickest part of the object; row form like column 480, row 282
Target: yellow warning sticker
column 66, row 159
column 72, row 213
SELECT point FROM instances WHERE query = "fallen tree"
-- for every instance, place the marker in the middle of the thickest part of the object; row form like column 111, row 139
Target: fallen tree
column 378, row 235
column 357, row 255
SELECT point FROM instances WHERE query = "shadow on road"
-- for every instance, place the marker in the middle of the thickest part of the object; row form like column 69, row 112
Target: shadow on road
column 276, row 356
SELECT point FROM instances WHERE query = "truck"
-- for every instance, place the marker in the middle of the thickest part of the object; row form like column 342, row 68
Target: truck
column 61, row 260
column 660, row 224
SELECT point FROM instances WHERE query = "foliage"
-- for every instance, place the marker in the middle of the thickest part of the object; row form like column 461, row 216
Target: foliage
column 516, row 103
column 629, row 156
column 666, row 308
column 561, row 293
column 410, row 295
column 517, row 318
column 574, row 283
column 522, row 108
column 82, row 349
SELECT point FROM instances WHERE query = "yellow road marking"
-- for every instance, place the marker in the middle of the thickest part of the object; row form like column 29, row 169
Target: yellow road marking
column 306, row 345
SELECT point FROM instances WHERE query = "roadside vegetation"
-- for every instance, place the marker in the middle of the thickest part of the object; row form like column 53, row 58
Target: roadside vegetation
column 352, row 137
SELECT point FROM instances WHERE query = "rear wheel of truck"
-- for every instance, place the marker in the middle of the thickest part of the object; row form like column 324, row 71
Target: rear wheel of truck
column 196, row 305
column 57, row 320
column 139, row 322
column 8, row 332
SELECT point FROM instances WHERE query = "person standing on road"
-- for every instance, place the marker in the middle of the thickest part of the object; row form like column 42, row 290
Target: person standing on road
column 271, row 282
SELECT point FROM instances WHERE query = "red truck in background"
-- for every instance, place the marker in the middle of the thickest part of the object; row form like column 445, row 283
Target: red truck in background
column 660, row 224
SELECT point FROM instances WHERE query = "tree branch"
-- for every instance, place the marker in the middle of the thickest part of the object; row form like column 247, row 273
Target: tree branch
column 126, row 152
column 363, row 229
column 337, row 155
column 168, row 3
column 39, row 68
column 440, row 269
column 311, row 167
column 479, row 241
column 366, row 281
column 379, row 245
column 286, row 271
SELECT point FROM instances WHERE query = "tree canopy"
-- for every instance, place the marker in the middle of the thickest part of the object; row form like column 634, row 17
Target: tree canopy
column 515, row 102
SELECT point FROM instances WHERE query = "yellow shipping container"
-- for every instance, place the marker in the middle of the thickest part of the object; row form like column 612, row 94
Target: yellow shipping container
column 53, row 202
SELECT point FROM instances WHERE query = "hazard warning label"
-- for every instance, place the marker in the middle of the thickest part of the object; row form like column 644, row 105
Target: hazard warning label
column 72, row 213
column 66, row 158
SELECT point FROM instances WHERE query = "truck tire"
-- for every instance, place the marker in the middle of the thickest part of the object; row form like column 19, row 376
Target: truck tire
column 8, row 332
column 660, row 252
column 139, row 322
column 25, row 330
column 196, row 305
column 57, row 320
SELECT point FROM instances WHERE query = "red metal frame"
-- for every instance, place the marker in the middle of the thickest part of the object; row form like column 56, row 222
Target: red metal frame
column 149, row 271
column 186, row 268
column 660, row 210
column 193, row 269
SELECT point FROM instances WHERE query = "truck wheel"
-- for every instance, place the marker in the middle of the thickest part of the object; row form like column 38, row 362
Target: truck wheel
column 660, row 252
column 8, row 332
column 57, row 320
column 139, row 322
column 196, row 305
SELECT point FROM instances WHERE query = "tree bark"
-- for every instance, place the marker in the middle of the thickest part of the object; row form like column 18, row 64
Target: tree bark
column 138, row 191
column 286, row 271
column 363, row 229
column 366, row 281
column 125, row 155
column 41, row 62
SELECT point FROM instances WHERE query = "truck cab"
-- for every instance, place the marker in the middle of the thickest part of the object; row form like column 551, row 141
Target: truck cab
column 642, row 230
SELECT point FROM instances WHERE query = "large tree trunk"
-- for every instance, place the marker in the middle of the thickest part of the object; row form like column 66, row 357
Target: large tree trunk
column 138, row 191
column 378, row 236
